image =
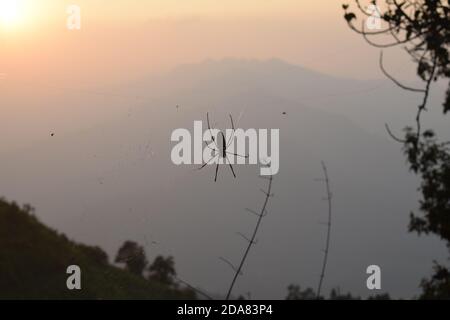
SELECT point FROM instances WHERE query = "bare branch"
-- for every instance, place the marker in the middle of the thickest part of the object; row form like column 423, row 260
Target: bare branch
column 327, row 245
column 392, row 135
column 395, row 80
column 423, row 106
column 251, row 242
column 365, row 35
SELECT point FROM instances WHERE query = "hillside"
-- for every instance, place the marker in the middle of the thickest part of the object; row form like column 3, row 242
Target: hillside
column 34, row 258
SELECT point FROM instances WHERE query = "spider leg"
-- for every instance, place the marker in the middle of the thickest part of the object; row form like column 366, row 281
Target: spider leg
column 207, row 120
column 207, row 145
column 232, row 123
column 239, row 155
column 209, row 161
column 232, row 136
column 210, row 131
column 231, row 167
column 209, row 126
column 217, row 169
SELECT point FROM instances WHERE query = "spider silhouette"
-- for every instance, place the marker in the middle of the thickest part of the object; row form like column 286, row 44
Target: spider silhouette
column 220, row 150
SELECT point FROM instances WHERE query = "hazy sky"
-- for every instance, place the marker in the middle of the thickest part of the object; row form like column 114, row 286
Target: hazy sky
column 106, row 171
column 124, row 39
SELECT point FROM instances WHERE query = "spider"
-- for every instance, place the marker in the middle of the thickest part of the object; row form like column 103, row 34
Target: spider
column 220, row 150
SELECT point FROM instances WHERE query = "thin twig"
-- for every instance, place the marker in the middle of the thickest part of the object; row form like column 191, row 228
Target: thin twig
column 195, row 289
column 395, row 80
column 232, row 266
column 392, row 135
column 254, row 212
column 245, row 237
column 251, row 241
column 423, row 106
column 327, row 245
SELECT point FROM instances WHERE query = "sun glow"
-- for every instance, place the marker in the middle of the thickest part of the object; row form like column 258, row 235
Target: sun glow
column 11, row 13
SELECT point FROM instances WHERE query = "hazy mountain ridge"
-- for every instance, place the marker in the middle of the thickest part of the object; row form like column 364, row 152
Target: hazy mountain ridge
column 116, row 181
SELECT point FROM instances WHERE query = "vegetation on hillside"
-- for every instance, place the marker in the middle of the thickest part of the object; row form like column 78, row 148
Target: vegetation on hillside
column 34, row 260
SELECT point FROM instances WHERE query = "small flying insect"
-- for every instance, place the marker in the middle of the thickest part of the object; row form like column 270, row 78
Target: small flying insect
column 220, row 150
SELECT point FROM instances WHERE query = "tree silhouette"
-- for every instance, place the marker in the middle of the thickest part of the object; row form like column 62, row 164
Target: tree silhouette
column 381, row 296
column 423, row 28
column 336, row 294
column 163, row 270
column 133, row 256
column 34, row 260
column 296, row 293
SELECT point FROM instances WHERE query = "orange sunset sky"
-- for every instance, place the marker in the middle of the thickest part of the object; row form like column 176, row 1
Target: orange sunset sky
column 122, row 40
